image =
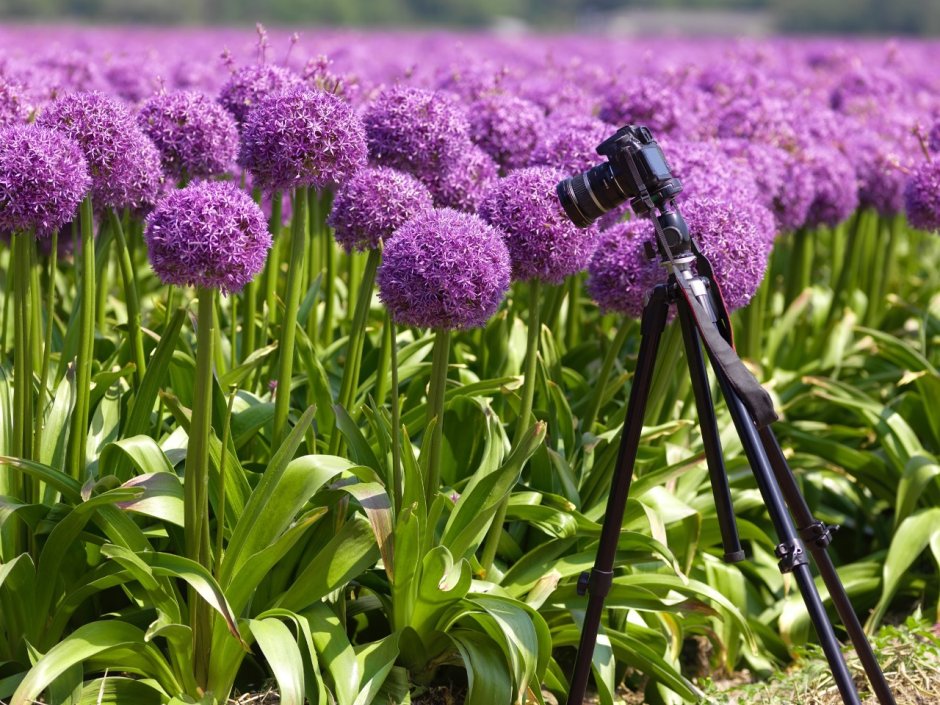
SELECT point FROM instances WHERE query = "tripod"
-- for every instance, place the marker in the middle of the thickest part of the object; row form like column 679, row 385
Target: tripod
column 704, row 321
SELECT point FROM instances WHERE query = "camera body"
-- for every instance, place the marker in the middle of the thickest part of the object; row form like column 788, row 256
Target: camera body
column 635, row 170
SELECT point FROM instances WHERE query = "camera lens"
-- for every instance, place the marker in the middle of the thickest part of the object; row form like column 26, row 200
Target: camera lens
column 587, row 196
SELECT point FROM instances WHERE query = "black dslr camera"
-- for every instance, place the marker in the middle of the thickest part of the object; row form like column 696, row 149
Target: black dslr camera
column 635, row 169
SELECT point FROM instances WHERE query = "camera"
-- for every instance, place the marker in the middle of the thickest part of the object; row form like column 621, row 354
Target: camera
column 635, row 169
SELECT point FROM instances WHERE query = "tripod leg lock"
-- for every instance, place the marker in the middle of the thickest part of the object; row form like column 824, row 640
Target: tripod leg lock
column 597, row 582
column 791, row 555
column 818, row 534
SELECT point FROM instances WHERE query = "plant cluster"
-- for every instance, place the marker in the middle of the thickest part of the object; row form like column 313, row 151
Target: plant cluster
column 305, row 375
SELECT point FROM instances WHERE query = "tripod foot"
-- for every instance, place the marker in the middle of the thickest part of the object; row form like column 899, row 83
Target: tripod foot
column 734, row 557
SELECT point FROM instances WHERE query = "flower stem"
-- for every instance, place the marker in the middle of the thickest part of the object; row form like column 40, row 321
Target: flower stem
column 573, row 317
column 436, row 389
column 196, row 478
column 22, row 348
column 524, row 420
column 600, row 384
column 357, row 336
column 129, row 278
column 300, row 234
column 86, row 341
column 801, row 265
column 396, row 415
column 329, row 283
column 384, row 363
column 47, row 344
column 272, row 267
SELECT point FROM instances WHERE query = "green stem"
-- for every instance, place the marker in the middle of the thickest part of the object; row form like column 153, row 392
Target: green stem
column 22, row 349
column 800, row 267
column 329, row 284
column 573, row 317
column 600, row 384
column 220, row 510
column 523, row 422
column 357, row 337
column 436, row 389
column 272, row 267
column 396, row 415
column 7, row 300
column 47, row 344
column 129, row 278
column 383, row 365
column 753, row 316
column 295, row 269
column 664, row 375
column 86, row 341
column 196, row 482
column 35, row 307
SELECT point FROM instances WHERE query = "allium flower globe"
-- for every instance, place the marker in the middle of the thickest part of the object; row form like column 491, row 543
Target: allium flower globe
column 619, row 275
column 250, row 84
column 570, row 143
column 196, row 137
column 373, row 203
column 506, row 127
column 922, row 197
column 444, row 269
column 13, row 105
column 542, row 240
column 462, row 182
column 835, row 185
column 43, row 178
column 210, row 234
column 302, row 137
column 416, row 130
column 933, row 138
column 123, row 162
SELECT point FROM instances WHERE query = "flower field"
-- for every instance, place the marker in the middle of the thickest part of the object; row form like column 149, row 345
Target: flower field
column 306, row 378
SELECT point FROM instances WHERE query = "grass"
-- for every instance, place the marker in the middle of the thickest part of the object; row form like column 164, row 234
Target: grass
column 909, row 655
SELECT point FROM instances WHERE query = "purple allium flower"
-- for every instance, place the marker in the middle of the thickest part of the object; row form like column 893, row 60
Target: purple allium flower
column 416, row 130
column 123, row 162
column 250, row 84
column 506, row 127
column 922, row 197
column 444, row 269
column 785, row 191
column 541, row 239
column 302, row 137
column 462, row 182
column 734, row 238
column 210, row 234
column 196, row 137
column 835, row 185
column 133, row 78
column 933, row 138
column 14, row 109
column 570, row 144
column 705, row 170
column 619, row 275
column 43, row 178
column 373, row 203
column 645, row 101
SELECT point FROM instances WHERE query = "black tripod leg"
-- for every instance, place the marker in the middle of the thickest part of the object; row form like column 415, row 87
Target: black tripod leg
column 790, row 550
column 598, row 583
column 710, row 437
column 817, row 537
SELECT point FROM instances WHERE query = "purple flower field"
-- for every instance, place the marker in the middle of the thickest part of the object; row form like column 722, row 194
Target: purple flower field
column 307, row 378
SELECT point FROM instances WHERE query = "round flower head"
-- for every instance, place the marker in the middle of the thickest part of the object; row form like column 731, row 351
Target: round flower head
column 415, row 130
column 705, row 170
column 444, row 269
column 734, row 237
column 933, row 139
column 645, row 101
column 123, row 162
column 836, row 186
column 133, row 78
column 462, row 183
column 210, row 234
column 196, row 137
column 302, row 137
column 43, row 178
column 542, row 240
column 373, row 203
column 13, row 107
column 250, row 84
column 619, row 275
column 506, row 127
column 784, row 190
column 922, row 197
column 570, row 144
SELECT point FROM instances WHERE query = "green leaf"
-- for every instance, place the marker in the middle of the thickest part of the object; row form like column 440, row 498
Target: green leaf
column 141, row 452
column 280, row 650
column 162, row 497
column 123, row 641
column 336, row 653
column 239, row 374
column 112, row 690
column 359, row 449
column 911, row 538
column 375, row 663
column 351, row 551
column 919, row 472
column 378, row 508
column 138, row 419
column 488, row 679
column 55, row 435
